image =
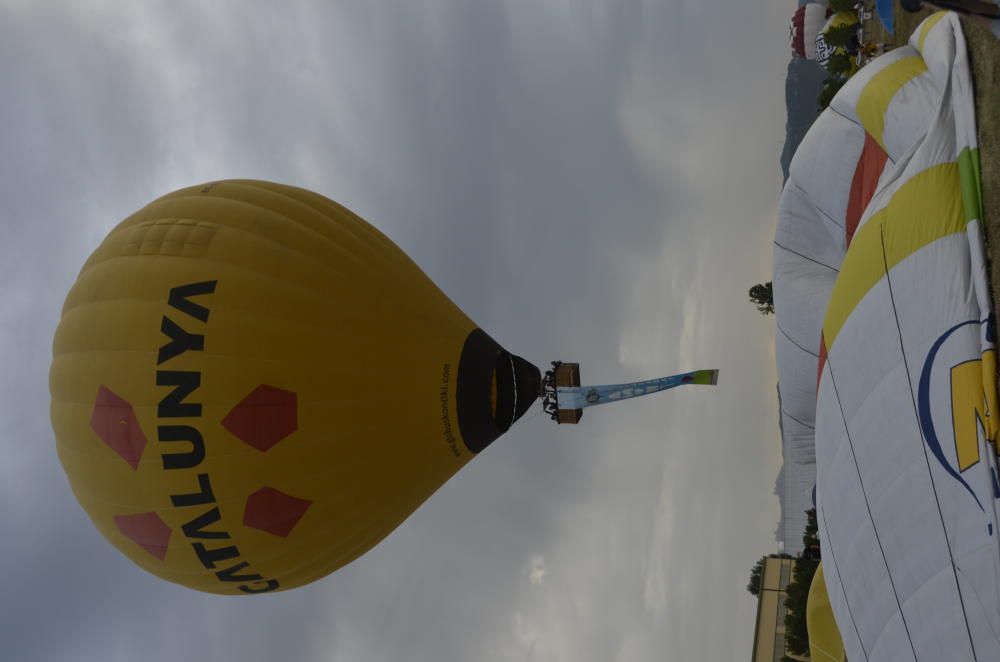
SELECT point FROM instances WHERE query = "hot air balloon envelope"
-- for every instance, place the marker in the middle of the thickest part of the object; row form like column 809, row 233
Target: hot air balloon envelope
column 805, row 25
column 824, row 51
column 251, row 386
column 825, row 644
column 885, row 322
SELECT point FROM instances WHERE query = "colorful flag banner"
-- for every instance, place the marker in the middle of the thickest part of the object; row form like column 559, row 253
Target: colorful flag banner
column 578, row 397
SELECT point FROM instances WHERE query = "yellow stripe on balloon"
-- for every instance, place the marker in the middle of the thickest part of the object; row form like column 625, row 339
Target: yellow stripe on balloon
column 880, row 90
column 927, row 26
column 923, row 210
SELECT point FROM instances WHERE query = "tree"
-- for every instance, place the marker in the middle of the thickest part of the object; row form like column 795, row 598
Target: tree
column 809, row 537
column 756, row 576
column 762, row 296
column 840, row 64
column 796, row 596
column 831, row 86
column 844, row 35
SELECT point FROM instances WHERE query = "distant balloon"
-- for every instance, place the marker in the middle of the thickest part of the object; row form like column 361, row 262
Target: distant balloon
column 805, row 26
column 252, row 386
column 825, row 51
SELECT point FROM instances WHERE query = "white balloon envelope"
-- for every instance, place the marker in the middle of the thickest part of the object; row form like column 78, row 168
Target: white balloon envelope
column 884, row 317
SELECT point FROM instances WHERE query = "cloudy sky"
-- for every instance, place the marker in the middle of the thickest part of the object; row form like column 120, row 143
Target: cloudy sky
column 590, row 181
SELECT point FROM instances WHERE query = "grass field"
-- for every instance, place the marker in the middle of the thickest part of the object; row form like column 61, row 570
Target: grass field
column 984, row 54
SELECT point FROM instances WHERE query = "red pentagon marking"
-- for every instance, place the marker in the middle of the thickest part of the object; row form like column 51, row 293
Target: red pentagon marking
column 264, row 417
column 114, row 421
column 146, row 530
column 277, row 513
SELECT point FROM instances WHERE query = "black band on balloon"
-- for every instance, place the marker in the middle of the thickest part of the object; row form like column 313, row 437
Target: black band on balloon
column 472, row 392
column 518, row 385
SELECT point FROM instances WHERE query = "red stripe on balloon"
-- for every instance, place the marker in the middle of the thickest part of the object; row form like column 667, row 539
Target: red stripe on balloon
column 821, row 361
column 869, row 169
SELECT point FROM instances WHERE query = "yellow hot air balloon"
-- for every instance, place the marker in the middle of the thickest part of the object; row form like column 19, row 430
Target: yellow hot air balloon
column 825, row 644
column 251, row 386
